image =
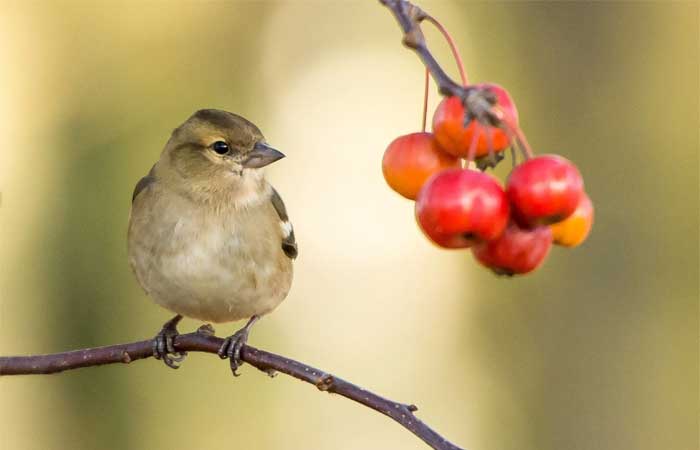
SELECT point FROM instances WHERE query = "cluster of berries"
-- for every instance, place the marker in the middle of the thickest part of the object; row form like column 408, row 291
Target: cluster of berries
column 509, row 230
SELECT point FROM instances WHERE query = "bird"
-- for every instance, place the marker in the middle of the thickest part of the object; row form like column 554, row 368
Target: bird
column 209, row 237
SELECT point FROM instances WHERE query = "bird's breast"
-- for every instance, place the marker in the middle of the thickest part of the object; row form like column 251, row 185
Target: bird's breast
column 212, row 266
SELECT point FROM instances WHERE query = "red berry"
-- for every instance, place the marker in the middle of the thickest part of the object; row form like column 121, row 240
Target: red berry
column 411, row 159
column 516, row 251
column 459, row 207
column 455, row 138
column 544, row 190
column 574, row 230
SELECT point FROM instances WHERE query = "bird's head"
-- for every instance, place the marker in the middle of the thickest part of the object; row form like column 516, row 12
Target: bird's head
column 216, row 151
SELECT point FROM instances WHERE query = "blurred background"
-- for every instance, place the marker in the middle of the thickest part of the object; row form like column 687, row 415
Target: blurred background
column 596, row 350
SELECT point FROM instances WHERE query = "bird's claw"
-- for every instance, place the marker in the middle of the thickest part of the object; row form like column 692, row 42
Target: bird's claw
column 164, row 347
column 232, row 346
column 231, row 349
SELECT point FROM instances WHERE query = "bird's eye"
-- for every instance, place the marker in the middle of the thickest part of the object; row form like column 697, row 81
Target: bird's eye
column 220, row 147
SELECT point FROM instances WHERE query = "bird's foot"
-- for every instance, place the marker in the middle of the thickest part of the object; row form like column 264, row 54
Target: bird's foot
column 231, row 348
column 163, row 347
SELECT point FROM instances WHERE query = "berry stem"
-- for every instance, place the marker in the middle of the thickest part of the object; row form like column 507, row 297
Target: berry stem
column 453, row 47
column 425, row 98
column 515, row 145
column 515, row 134
column 489, row 140
column 458, row 60
column 513, row 155
column 472, row 146
column 523, row 142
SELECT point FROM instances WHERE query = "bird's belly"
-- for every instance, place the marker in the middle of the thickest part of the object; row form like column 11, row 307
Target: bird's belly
column 213, row 275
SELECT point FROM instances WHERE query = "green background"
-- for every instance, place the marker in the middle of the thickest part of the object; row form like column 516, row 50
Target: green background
column 596, row 350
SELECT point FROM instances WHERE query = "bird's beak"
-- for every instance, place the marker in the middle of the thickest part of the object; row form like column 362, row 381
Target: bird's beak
column 261, row 155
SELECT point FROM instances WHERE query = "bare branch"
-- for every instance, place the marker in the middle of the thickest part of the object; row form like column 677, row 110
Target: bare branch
column 205, row 342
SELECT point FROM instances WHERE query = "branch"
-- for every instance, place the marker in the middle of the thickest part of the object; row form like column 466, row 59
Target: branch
column 409, row 17
column 478, row 102
column 203, row 341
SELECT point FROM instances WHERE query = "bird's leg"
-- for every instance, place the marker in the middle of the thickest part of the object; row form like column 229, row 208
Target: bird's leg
column 163, row 347
column 231, row 348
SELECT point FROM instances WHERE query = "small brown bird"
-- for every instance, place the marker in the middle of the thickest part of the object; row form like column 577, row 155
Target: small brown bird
column 209, row 237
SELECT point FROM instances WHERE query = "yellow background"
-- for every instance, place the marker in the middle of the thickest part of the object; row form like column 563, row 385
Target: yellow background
column 597, row 350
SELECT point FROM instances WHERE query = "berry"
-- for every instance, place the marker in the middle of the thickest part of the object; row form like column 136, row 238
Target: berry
column 544, row 190
column 411, row 159
column 516, row 251
column 574, row 230
column 455, row 138
column 459, row 207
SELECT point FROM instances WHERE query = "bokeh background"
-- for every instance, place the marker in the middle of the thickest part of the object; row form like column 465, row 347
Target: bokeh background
column 597, row 350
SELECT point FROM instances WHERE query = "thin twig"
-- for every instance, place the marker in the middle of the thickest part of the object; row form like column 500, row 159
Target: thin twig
column 205, row 342
column 409, row 17
column 426, row 93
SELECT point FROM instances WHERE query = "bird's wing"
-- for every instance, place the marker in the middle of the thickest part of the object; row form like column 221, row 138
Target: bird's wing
column 289, row 243
column 143, row 184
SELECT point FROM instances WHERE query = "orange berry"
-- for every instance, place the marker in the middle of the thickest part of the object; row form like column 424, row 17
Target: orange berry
column 455, row 138
column 411, row 159
column 572, row 231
